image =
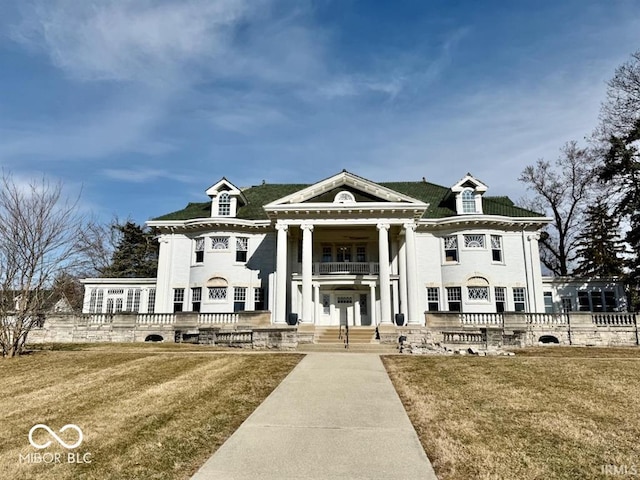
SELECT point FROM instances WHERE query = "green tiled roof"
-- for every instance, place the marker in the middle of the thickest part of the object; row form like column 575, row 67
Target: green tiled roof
column 440, row 199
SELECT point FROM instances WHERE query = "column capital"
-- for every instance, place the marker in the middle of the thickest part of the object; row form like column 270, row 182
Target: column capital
column 307, row 226
column 282, row 226
column 410, row 226
column 533, row 236
column 383, row 226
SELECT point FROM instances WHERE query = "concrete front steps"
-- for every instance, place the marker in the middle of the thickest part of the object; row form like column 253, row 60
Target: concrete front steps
column 331, row 339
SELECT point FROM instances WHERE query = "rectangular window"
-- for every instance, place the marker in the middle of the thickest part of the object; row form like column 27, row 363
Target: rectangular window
column 478, row 294
column 130, row 300
column 258, row 298
column 501, row 298
column 242, row 247
column 239, row 298
column 454, row 299
column 99, row 301
column 610, row 301
column 151, row 300
column 433, row 298
column 109, row 305
column 496, row 248
column 220, row 243
column 451, row 248
column 548, row 302
column 361, row 253
column 474, row 241
column 217, row 293
column 178, row 299
column 118, row 305
column 327, row 255
column 519, row 299
column 199, row 250
column 92, row 301
column 136, row 300
column 363, row 304
column 567, row 304
column 583, row 302
column 326, row 304
column 196, row 299
column 597, row 302
column 343, row 253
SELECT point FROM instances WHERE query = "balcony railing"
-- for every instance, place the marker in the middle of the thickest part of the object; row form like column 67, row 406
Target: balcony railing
column 346, row 268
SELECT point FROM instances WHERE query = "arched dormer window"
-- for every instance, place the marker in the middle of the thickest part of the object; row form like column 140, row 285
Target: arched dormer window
column 468, row 201
column 224, row 204
column 344, row 197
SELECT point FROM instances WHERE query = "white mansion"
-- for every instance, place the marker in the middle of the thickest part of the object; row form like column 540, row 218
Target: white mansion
column 350, row 251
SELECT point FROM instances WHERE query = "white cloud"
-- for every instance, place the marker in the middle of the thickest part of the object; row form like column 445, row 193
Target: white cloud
column 143, row 175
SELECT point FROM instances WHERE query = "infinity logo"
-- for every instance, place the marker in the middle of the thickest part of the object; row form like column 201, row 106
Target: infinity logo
column 52, row 433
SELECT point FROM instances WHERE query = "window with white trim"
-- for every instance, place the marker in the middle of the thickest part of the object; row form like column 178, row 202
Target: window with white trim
column 500, row 294
column 468, row 201
column 519, row 299
column 454, row 299
column 567, row 304
column 217, row 293
column 451, row 248
column 258, row 298
column 92, row 301
column 130, row 300
column 433, row 299
column 364, row 309
column 151, row 300
column 224, row 204
column 220, row 243
column 242, row 247
column 196, row 299
column 99, row 300
column 361, row 253
column 199, row 250
column 178, row 299
column 548, row 302
column 496, row 248
column 239, row 299
column 327, row 254
column 326, row 304
column 344, row 197
column 478, row 294
column 474, row 241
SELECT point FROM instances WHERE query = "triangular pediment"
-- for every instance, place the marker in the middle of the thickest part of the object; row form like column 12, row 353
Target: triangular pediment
column 224, row 185
column 345, row 188
column 469, row 181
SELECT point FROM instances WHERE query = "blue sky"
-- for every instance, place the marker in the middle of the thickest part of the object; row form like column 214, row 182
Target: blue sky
column 141, row 105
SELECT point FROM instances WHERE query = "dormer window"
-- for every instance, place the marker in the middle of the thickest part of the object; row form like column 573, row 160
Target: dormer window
column 344, row 197
column 226, row 199
column 224, row 204
column 468, row 201
column 468, row 193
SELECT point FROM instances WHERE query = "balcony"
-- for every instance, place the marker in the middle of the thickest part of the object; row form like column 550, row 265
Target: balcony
column 346, row 268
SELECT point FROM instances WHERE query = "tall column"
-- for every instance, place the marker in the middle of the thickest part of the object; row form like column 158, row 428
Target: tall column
column 318, row 303
column 281, row 274
column 385, row 274
column 372, row 301
column 307, row 270
column 412, row 277
column 402, row 277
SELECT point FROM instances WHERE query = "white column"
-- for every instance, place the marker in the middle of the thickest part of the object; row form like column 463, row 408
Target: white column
column 385, row 275
column 402, row 277
column 412, row 277
column 316, row 294
column 307, row 270
column 372, row 301
column 281, row 274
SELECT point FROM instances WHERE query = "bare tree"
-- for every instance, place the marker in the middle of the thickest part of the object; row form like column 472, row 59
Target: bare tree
column 38, row 239
column 561, row 189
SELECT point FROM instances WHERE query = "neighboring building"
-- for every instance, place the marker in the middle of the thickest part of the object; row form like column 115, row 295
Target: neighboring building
column 343, row 250
column 593, row 294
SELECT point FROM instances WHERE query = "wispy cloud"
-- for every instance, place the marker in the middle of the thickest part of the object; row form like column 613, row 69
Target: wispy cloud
column 143, row 175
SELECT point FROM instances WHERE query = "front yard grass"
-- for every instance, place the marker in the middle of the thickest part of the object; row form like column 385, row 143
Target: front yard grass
column 146, row 411
column 561, row 413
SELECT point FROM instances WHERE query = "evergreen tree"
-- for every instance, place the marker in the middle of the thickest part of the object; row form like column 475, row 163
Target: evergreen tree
column 136, row 252
column 599, row 246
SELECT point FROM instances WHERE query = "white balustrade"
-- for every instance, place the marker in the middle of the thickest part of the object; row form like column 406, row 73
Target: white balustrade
column 217, row 318
column 155, row 318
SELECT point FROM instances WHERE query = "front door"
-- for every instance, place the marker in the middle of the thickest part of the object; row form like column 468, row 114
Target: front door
column 345, row 309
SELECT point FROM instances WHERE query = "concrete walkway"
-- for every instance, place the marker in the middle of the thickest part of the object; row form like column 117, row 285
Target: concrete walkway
column 335, row 416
